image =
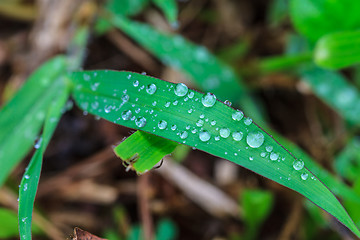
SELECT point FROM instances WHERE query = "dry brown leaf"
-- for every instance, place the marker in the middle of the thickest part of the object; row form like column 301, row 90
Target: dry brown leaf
column 80, row 234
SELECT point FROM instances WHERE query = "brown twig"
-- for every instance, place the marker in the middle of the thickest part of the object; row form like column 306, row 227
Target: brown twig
column 144, row 206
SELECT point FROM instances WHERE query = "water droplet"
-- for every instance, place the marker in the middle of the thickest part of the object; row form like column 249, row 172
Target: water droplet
column 200, row 123
column 38, row 143
column 190, row 110
column 107, row 109
column 184, row 134
column 24, row 219
column 269, row 148
column 151, row 89
column 237, row 136
column 298, row 164
column 94, row 86
column 237, row 116
column 204, row 136
column 263, row 154
column 228, row 103
column 162, row 124
column 26, row 176
column 181, row 90
column 304, row 176
column 154, row 103
column 191, row 94
column 94, row 105
column 255, row 139
column 137, row 110
column 25, row 187
column 140, row 122
column 274, row 156
column 126, row 115
column 208, row 100
column 173, row 127
column 213, row 123
column 86, row 77
column 194, row 130
column 248, row 121
column 224, row 132
column 217, row 138
column 167, row 104
column 125, row 98
column 129, row 76
column 175, row 102
column 136, row 83
column 251, row 158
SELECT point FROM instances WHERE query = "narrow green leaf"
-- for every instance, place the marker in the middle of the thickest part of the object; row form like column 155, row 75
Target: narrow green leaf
column 30, row 180
column 166, row 230
column 315, row 18
column 169, row 7
column 199, row 120
column 338, row 50
column 333, row 89
column 126, row 7
column 142, row 151
column 8, row 223
column 22, row 118
column 175, row 51
column 347, row 162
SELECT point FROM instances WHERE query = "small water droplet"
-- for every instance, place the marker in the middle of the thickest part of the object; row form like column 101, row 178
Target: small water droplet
column 247, row 121
column 154, row 103
column 125, row 98
column 129, row 76
column 38, row 143
column 184, row 134
column 94, row 86
column 86, row 77
column 202, row 116
column 175, row 102
column 162, row 124
column 304, row 176
column 25, row 187
column 237, row 116
column 181, row 90
column 237, row 136
column 224, row 132
column 255, row 139
column 200, row 123
column 190, row 110
column 26, row 176
column 24, row 219
column 136, row 83
column 263, row 154
column 151, row 89
column 208, row 100
column 194, row 130
column 251, row 158
column 173, row 127
column 167, row 104
column 107, row 109
column 140, row 122
column 269, row 148
column 217, row 138
column 298, row 164
column 274, row 156
column 204, row 136
column 213, row 123
column 191, row 94
column 126, row 115
column 228, row 103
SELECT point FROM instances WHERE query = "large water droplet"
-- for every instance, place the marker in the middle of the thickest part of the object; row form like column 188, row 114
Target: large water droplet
column 181, row 90
column 237, row 116
column 204, row 136
column 304, row 176
column 208, row 100
column 298, row 164
column 237, row 136
column 247, row 121
column 140, row 122
column 224, row 132
column 151, row 89
column 184, row 134
column 126, row 115
column 274, row 156
column 255, row 139
column 162, row 124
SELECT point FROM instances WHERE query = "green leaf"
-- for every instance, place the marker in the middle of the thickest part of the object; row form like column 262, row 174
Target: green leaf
column 30, row 180
column 8, row 223
column 257, row 205
column 142, row 151
column 315, row 18
column 347, row 162
column 126, row 7
column 333, row 89
column 22, row 117
column 198, row 120
column 353, row 207
column 338, row 50
column 169, row 7
column 166, row 230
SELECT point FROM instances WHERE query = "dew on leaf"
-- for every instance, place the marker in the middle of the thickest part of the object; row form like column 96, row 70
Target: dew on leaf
column 184, row 134
column 204, row 136
column 125, row 98
column 191, row 94
column 162, row 124
column 181, row 90
column 167, row 104
column 173, row 127
column 213, row 123
column 200, row 123
column 228, row 103
column 217, row 138
column 247, row 121
column 237, row 116
column 224, row 132
column 269, row 148
column 255, row 139
column 208, row 100
column 140, row 122
column 251, row 158
column 298, row 164
column 237, row 136
column 26, row 176
column 136, row 83
column 38, row 143
column 263, row 154
column 274, row 156
column 126, row 115
column 304, row 176
column 151, row 89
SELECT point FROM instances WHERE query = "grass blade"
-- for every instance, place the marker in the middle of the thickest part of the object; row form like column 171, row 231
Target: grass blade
column 22, row 118
column 199, row 120
column 30, row 180
column 169, row 8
